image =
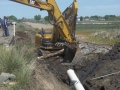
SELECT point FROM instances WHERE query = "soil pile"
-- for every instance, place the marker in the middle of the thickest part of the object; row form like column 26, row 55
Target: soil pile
column 43, row 79
column 109, row 63
column 97, row 65
column 23, row 38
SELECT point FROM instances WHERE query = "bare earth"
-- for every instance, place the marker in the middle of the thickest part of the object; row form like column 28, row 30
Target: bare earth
column 6, row 40
column 39, row 26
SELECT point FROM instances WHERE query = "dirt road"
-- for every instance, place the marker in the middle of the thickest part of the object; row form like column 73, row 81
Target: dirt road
column 6, row 40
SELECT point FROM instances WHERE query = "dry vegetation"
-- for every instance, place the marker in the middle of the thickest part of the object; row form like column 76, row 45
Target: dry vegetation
column 99, row 36
column 108, row 33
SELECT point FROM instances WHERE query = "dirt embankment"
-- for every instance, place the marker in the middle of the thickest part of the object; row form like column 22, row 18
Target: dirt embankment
column 108, row 64
column 43, row 79
column 50, row 74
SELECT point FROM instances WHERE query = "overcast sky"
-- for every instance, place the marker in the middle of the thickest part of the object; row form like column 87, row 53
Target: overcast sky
column 86, row 8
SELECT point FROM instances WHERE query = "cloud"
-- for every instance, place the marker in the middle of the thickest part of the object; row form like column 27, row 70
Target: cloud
column 102, row 7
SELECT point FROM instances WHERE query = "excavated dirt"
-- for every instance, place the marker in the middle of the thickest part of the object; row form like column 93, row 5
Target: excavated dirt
column 23, row 38
column 43, row 79
column 108, row 63
column 98, row 65
column 50, row 74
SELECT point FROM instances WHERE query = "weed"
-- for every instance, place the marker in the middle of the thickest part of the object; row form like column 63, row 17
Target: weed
column 99, row 39
column 15, row 60
column 21, row 27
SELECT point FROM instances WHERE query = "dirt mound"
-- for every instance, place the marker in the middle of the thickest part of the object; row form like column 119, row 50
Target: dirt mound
column 113, row 54
column 43, row 79
column 108, row 63
column 90, row 68
column 60, row 69
column 23, row 38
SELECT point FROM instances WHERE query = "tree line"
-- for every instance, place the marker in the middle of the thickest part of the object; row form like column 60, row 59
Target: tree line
column 81, row 18
column 36, row 17
column 98, row 18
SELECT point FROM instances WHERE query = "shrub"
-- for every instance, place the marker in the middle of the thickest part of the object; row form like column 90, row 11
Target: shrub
column 16, row 60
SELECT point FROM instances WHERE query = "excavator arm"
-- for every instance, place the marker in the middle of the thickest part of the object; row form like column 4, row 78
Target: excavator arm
column 60, row 25
column 35, row 3
column 63, row 24
column 70, row 14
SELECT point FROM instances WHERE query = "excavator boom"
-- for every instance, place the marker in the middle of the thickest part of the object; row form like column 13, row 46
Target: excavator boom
column 60, row 23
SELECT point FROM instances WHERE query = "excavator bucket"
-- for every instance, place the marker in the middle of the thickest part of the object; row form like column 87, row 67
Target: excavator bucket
column 72, row 55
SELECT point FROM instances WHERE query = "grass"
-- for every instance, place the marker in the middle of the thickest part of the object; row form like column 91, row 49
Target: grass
column 85, row 32
column 15, row 60
column 24, row 27
column 98, row 25
column 98, row 39
column 20, row 27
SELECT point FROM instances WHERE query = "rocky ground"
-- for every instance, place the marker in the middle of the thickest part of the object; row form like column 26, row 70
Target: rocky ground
column 95, row 61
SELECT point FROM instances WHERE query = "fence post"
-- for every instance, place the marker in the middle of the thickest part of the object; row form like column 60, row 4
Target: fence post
column 14, row 28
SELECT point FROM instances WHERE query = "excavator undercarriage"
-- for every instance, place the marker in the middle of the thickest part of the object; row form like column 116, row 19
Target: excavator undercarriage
column 68, row 53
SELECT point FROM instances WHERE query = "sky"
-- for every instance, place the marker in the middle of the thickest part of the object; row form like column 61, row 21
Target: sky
column 86, row 8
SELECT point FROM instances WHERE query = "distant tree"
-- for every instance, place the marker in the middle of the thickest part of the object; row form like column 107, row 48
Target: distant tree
column 46, row 18
column 110, row 17
column 106, row 17
column 0, row 19
column 81, row 18
column 94, row 17
column 37, row 17
column 113, row 16
column 23, row 18
column 86, row 16
column 12, row 18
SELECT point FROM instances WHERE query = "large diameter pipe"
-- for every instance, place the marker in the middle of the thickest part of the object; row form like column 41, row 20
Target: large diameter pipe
column 74, row 79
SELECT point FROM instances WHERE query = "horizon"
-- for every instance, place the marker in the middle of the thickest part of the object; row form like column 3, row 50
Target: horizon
column 91, row 8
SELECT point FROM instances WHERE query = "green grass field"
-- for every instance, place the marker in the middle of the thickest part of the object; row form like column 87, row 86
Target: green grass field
column 86, row 30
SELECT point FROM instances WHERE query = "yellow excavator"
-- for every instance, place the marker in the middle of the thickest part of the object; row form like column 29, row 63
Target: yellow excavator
column 64, row 25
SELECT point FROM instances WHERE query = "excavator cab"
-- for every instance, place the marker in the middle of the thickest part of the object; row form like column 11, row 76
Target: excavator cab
column 43, row 39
